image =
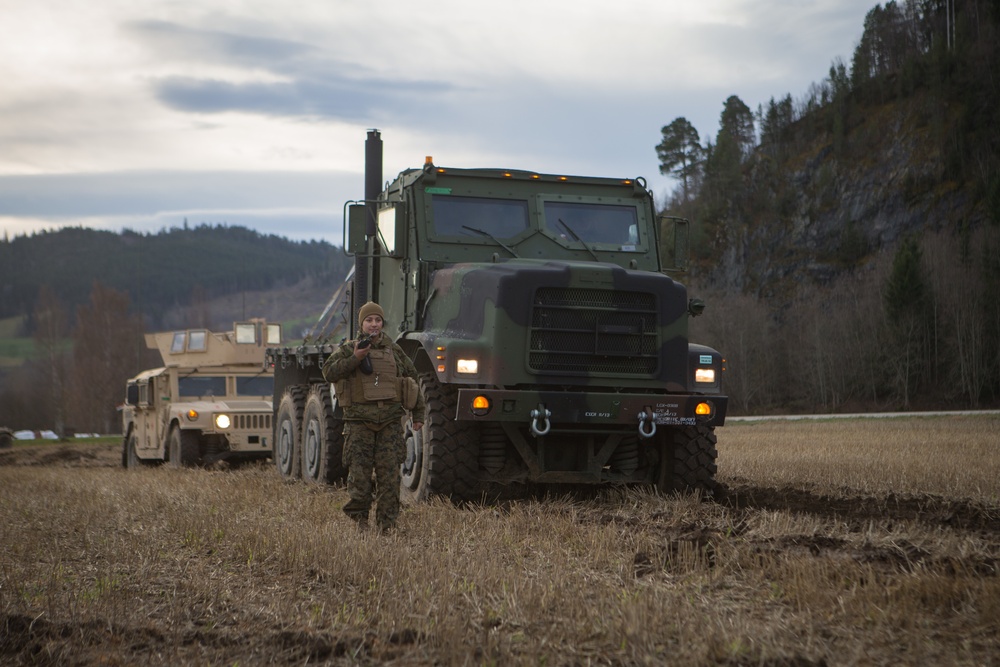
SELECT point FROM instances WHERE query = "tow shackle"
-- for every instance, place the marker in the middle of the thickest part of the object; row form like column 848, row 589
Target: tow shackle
column 543, row 414
column 647, row 419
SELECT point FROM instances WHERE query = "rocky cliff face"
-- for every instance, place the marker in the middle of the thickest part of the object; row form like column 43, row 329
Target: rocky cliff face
column 835, row 206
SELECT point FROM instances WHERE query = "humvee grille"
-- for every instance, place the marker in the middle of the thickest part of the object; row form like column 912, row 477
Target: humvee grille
column 252, row 422
column 582, row 331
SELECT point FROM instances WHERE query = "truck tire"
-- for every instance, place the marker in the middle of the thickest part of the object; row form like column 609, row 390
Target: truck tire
column 441, row 459
column 322, row 439
column 129, row 457
column 687, row 460
column 287, row 441
column 184, row 448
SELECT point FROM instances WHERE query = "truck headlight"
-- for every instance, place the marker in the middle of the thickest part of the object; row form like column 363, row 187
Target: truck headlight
column 706, row 375
column 222, row 422
column 467, row 366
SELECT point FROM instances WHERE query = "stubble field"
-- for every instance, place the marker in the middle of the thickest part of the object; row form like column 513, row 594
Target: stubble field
column 871, row 541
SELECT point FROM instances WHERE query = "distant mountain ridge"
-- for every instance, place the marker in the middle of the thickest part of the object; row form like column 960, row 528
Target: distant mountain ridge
column 187, row 269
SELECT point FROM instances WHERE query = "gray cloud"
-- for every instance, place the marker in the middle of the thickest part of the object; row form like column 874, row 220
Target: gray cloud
column 185, row 44
column 313, row 83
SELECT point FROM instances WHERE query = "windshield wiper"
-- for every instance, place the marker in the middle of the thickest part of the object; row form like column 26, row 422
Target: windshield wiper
column 582, row 242
column 493, row 238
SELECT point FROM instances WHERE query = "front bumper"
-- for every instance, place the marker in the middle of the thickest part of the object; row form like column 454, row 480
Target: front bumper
column 575, row 409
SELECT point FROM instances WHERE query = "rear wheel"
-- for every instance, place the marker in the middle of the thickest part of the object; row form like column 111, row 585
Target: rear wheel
column 287, row 447
column 441, row 458
column 184, row 448
column 322, row 439
column 687, row 460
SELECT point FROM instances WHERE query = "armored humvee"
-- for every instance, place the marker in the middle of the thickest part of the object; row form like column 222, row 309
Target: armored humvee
column 552, row 346
column 210, row 401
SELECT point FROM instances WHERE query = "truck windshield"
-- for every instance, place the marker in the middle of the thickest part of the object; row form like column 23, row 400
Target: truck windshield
column 593, row 223
column 479, row 216
column 202, row 385
column 260, row 385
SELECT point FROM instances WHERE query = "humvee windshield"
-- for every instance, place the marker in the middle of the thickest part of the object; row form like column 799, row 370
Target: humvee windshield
column 202, row 385
column 504, row 219
column 260, row 385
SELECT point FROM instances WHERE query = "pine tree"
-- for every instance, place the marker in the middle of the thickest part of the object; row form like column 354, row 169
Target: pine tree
column 681, row 154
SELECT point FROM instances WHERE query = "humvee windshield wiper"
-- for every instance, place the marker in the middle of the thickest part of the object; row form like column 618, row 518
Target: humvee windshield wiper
column 582, row 242
column 493, row 238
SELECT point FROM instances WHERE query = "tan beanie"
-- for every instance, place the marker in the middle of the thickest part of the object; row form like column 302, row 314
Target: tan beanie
column 370, row 308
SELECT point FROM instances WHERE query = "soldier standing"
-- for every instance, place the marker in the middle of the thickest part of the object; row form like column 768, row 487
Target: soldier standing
column 376, row 384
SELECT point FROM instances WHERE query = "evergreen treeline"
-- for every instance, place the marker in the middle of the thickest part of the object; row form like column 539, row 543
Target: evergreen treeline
column 156, row 271
column 851, row 239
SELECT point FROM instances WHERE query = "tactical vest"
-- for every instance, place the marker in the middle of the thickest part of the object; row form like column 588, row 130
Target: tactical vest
column 382, row 384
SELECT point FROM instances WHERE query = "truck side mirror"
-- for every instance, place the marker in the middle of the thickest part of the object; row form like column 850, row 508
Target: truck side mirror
column 675, row 231
column 355, row 242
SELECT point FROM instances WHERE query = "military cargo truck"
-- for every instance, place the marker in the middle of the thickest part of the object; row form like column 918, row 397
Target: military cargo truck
column 210, row 401
column 551, row 344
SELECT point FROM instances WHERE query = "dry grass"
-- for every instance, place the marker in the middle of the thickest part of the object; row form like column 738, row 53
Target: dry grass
column 831, row 543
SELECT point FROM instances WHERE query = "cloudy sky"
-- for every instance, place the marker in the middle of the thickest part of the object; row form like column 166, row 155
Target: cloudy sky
column 143, row 113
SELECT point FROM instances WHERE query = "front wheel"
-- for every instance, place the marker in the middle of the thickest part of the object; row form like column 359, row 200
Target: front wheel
column 184, row 448
column 442, row 457
column 130, row 459
column 687, row 460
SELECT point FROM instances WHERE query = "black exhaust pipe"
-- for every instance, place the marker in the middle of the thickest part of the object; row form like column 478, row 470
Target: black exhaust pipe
column 365, row 261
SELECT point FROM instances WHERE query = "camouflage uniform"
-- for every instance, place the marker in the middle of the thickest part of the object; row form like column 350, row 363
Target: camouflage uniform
column 373, row 437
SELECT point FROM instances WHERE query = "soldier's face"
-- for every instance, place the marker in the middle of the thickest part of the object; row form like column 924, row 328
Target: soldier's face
column 372, row 325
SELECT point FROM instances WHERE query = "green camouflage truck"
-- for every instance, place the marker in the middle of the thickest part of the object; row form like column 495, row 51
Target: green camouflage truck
column 551, row 345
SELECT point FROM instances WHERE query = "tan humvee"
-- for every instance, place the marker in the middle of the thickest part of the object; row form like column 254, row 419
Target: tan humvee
column 210, row 401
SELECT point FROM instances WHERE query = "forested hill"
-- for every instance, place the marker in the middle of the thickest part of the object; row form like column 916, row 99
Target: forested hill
column 848, row 241
column 158, row 272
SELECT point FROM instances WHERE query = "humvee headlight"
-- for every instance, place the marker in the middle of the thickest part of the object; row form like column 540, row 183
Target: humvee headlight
column 703, row 409
column 192, row 415
column 480, row 406
column 222, row 422
column 467, row 366
column 706, row 375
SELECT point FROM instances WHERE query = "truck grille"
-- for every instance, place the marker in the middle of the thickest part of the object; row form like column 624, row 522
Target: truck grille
column 578, row 331
column 252, row 422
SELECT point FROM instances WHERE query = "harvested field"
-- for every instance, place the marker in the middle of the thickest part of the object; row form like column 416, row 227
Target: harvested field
column 829, row 543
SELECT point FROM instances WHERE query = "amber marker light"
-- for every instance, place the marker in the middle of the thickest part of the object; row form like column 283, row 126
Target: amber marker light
column 563, row 178
column 192, row 414
column 480, row 406
column 703, row 409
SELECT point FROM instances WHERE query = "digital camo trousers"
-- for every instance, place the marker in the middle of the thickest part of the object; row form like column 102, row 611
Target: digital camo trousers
column 382, row 451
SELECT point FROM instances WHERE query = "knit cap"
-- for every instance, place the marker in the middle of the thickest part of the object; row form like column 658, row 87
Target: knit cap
column 370, row 308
